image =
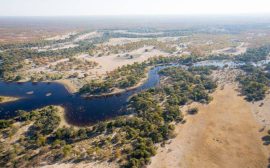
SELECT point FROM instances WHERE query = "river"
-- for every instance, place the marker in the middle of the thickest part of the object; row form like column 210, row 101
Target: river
column 81, row 111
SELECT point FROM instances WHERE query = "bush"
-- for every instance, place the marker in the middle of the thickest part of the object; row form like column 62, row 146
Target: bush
column 193, row 110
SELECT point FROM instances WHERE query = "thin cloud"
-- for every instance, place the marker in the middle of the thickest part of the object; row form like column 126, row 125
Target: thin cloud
column 130, row 7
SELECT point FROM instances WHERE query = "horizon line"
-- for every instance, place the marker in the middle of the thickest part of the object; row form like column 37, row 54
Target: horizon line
column 132, row 15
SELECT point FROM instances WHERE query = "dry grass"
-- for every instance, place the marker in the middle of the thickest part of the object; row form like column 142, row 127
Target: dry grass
column 223, row 134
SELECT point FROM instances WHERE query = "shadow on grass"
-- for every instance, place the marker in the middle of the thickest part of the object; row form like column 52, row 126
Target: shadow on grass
column 266, row 140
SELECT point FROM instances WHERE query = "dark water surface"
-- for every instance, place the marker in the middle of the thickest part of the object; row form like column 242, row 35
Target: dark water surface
column 79, row 111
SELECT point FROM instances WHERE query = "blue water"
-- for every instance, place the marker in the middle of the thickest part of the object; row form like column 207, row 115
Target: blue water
column 79, row 111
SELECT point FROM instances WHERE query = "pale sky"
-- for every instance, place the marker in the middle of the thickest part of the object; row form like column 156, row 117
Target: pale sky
column 131, row 7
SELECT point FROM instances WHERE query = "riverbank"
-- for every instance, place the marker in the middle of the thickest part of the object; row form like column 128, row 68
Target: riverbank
column 71, row 88
column 117, row 91
column 7, row 99
column 223, row 134
column 63, row 120
column 61, row 114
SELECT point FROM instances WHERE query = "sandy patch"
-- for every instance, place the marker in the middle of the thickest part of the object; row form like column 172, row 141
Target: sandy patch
column 223, row 134
column 118, row 90
column 72, row 88
column 232, row 50
column 21, row 130
column 82, row 165
column 138, row 33
column 61, row 113
column 6, row 99
column 113, row 61
column 122, row 41
column 61, row 37
column 88, row 36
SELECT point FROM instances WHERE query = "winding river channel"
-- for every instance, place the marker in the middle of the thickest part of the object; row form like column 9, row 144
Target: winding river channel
column 79, row 111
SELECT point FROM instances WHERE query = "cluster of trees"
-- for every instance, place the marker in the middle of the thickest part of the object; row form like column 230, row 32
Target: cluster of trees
column 13, row 55
column 254, row 54
column 188, row 85
column 74, row 63
column 158, row 44
column 154, row 33
column 13, row 59
column 154, row 119
column 267, row 67
column 41, row 43
column 5, row 123
column 131, row 140
column 166, row 47
column 43, row 133
column 44, row 122
column 164, row 60
column 255, row 83
column 126, row 76
column 130, row 75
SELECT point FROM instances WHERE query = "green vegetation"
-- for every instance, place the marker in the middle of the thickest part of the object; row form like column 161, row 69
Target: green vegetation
column 5, row 124
column 126, row 76
column 130, row 75
column 254, row 83
column 14, row 55
column 129, row 140
column 193, row 110
column 42, row 122
column 166, row 47
column 254, row 54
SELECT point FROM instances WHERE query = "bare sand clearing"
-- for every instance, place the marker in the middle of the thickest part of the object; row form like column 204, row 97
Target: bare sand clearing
column 232, row 50
column 224, row 134
column 61, row 114
column 6, row 99
column 88, row 36
column 82, row 165
column 72, row 88
column 113, row 61
column 61, row 37
column 122, row 41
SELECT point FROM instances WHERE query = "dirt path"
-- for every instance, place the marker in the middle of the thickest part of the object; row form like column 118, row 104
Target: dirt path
column 224, row 134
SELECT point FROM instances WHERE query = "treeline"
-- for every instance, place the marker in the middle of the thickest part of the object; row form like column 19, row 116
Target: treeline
column 184, row 60
column 191, row 85
column 126, row 76
column 158, row 108
column 166, row 47
column 164, row 33
column 130, row 75
column 255, row 83
column 13, row 58
column 40, row 43
column 44, row 122
column 253, row 55
column 129, row 140
column 155, row 112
